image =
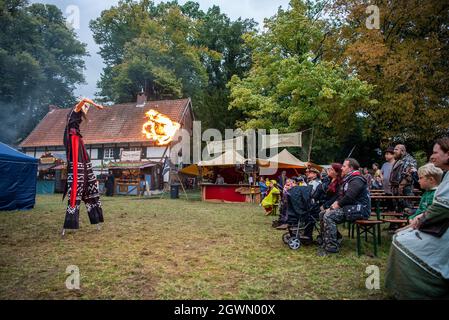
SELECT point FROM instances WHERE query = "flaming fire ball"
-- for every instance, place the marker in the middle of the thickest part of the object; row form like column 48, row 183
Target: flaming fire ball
column 159, row 128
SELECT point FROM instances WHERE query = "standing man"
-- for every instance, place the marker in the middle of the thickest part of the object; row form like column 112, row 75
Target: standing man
column 81, row 181
column 386, row 170
column 401, row 179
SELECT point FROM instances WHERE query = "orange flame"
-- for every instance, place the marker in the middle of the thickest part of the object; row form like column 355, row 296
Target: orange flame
column 159, row 128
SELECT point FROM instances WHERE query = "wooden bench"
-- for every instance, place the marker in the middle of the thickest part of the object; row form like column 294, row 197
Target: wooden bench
column 380, row 216
column 400, row 222
column 366, row 227
column 393, row 214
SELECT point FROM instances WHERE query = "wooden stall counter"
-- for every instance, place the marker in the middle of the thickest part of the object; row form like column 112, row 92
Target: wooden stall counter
column 230, row 193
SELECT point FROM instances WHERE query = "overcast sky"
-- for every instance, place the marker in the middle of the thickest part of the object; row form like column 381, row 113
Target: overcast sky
column 91, row 9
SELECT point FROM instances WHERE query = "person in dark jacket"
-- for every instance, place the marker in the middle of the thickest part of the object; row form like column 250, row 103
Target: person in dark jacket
column 332, row 185
column 353, row 203
column 110, row 184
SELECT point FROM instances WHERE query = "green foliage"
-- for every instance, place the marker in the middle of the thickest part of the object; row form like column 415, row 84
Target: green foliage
column 171, row 51
column 421, row 157
column 225, row 37
column 147, row 47
column 290, row 88
column 40, row 64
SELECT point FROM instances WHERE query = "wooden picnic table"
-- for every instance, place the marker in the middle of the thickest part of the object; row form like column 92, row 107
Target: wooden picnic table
column 385, row 197
column 379, row 198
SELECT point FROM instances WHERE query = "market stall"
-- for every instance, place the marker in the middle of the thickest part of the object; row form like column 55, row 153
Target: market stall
column 52, row 174
column 283, row 161
column 134, row 178
column 235, row 188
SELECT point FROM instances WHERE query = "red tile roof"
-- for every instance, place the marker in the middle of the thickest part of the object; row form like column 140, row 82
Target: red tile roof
column 120, row 123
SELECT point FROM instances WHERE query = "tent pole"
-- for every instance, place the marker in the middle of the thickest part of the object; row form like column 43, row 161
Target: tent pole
column 182, row 186
column 310, row 146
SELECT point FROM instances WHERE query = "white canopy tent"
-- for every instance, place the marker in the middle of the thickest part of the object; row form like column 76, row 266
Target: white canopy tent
column 229, row 158
column 284, row 159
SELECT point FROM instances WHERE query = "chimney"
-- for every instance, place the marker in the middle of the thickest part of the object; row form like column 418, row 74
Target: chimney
column 52, row 107
column 141, row 100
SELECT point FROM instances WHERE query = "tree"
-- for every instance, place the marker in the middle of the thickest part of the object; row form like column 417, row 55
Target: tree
column 172, row 51
column 219, row 34
column 406, row 60
column 147, row 47
column 40, row 64
column 290, row 87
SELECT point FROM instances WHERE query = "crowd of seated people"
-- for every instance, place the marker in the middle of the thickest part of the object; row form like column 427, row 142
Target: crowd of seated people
column 418, row 263
column 339, row 195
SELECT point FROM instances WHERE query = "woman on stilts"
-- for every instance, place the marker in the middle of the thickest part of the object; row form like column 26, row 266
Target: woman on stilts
column 81, row 181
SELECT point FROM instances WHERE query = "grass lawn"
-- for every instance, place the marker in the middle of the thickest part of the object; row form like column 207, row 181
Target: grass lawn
column 172, row 249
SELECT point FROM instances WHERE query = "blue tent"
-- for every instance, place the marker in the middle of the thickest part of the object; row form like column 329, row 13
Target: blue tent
column 18, row 175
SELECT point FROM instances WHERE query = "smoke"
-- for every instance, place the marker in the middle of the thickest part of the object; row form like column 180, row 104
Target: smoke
column 16, row 122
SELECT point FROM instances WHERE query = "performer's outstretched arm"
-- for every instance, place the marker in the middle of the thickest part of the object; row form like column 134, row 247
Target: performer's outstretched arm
column 85, row 101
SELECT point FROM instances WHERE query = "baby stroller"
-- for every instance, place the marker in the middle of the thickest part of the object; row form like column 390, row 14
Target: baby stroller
column 303, row 206
column 292, row 238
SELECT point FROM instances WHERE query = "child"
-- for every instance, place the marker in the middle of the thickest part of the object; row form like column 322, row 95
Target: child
column 272, row 198
column 263, row 188
column 429, row 179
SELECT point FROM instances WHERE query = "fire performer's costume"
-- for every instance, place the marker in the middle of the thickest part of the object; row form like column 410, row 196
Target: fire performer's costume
column 81, row 181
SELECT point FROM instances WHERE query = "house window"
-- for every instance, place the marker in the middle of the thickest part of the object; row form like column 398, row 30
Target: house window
column 94, row 154
column 108, row 153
